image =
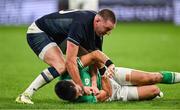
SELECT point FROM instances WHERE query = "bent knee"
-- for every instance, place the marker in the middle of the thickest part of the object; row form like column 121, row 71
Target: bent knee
column 155, row 90
column 59, row 66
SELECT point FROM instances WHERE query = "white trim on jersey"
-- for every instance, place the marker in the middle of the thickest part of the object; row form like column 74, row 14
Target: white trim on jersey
column 33, row 29
column 67, row 11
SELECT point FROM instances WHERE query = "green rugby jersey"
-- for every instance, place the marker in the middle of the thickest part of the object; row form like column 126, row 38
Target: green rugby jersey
column 86, row 80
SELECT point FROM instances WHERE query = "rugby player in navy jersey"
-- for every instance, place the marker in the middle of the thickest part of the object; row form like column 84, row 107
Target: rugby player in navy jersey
column 79, row 31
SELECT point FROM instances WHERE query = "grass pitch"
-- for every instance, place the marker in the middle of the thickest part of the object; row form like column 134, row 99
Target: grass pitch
column 144, row 46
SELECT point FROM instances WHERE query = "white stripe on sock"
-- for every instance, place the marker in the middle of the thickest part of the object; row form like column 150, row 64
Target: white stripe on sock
column 177, row 77
column 48, row 74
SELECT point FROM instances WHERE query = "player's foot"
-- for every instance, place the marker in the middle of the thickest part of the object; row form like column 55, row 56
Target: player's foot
column 160, row 95
column 24, row 99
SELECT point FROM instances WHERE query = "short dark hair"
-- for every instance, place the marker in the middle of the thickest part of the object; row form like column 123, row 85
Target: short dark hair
column 65, row 90
column 107, row 14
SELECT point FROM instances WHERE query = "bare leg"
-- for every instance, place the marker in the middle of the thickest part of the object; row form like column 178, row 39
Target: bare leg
column 144, row 78
column 54, row 57
column 127, row 76
column 148, row 92
column 147, row 78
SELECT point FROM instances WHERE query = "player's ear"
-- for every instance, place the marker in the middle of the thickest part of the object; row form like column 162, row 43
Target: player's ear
column 97, row 18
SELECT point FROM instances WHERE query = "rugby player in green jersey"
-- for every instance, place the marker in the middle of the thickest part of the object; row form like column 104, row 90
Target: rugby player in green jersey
column 124, row 83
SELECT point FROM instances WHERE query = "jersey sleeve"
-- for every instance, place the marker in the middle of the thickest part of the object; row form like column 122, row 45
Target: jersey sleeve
column 76, row 33
column 99, row 42
column 99, row 84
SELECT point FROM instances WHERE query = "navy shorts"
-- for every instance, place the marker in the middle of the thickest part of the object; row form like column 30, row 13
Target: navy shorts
column 39, row 43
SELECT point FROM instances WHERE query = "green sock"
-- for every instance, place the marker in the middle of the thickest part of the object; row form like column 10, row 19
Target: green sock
column 168, row 77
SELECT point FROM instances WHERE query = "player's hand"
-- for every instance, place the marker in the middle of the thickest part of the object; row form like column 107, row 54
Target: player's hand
column 95, row 90
column 87, row 90
column 110, row 71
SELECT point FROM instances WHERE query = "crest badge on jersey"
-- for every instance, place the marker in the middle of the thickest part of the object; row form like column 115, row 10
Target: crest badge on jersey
column 87, row 81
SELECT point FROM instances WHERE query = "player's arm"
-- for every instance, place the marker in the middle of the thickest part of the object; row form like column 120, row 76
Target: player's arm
column 106, row 91
column 102, row 59
column 93, row 73
column 71, row 63
column 96, row 57
column 99, row 58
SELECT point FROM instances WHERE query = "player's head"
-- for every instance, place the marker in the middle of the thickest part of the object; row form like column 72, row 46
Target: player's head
column 104, row 22
column 67, row 90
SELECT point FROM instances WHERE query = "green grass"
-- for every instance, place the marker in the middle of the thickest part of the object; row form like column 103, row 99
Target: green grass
column 145, row 46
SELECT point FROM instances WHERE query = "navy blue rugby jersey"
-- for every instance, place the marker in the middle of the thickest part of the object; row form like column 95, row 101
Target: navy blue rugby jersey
column 75, row 26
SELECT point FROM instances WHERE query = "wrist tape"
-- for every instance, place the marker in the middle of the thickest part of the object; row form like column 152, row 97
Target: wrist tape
column 108, row 63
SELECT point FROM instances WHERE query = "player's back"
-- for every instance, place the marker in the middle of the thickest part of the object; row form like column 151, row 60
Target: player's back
column 58, row 24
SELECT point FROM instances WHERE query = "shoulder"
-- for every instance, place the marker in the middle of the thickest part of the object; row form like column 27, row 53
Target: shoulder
column 85, row 16
column 86, row 12
column 90, row 12
column 98, row 42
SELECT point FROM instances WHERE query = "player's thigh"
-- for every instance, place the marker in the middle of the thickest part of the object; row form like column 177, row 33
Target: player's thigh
column 45, row 48
column 124, row 93
column 122, row 75
column 147, row 92
column 54, row 57
column 127, row 76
